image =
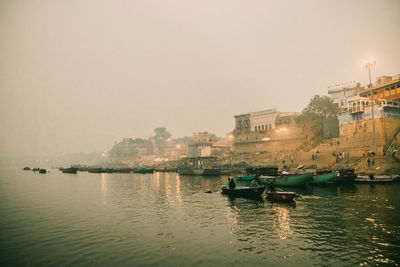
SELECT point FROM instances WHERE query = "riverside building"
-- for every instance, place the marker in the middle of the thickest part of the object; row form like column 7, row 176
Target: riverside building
column 266, row 131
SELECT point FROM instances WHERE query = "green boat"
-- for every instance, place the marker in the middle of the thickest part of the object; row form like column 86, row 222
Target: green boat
column 326, row 178
column 287, row 179
column 245, row 178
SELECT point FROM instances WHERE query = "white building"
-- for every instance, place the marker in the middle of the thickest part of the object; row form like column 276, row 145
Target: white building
column 341, row 95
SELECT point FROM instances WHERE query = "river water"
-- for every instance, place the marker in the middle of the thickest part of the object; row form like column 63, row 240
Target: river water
column 164, row 219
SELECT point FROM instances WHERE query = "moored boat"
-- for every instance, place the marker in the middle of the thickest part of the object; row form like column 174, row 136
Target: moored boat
column 287, row 179
column 326, row 178
column 95, row 170
column 26, row 168
column 281, row 196
column 371, row 179
column 243, row 191
column 345, row 176
column 42, row 171
column 70, row 170
column 199, row 171
column 245, row 178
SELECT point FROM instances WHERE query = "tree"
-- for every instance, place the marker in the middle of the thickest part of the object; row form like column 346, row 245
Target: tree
column 161, row 135
column 319, row 108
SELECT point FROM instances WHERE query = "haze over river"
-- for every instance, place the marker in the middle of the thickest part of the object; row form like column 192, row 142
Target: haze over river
column 164, row 219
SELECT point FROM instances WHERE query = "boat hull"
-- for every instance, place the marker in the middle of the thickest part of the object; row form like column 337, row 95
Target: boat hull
column 327, row 178
column 374, row 181
column 200, row 172
column 287, row 180
column 281, row 196
column 243, row 191
column 70, row 170
column 245, row 178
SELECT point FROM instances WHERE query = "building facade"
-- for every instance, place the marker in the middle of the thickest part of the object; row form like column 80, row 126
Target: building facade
column 266, row 131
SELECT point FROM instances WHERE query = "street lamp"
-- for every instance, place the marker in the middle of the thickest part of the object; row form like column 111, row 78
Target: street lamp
column 371, row 62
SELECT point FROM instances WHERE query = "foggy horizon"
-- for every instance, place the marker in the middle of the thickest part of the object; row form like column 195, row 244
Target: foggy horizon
column 76, row 76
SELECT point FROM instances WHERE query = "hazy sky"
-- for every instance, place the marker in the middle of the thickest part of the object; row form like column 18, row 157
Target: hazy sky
column 77, row 75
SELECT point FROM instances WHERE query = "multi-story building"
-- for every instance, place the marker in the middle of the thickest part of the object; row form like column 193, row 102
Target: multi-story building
column 341, row 95
column 264, row 130
column 355, row 119
column 386, row 87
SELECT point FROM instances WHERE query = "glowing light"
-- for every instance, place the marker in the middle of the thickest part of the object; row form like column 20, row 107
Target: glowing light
column 370, row 62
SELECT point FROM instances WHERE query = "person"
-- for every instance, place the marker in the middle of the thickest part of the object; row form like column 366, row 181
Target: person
column 369, row 162
column 255, row 183
column 232, row 183
column 271, row 187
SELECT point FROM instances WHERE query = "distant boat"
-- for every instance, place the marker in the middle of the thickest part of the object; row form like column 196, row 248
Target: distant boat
column 95, row 170
column 243, row 191
column 35, row 169
column 371, row 179
column 281, row 196
column 42, row 171
column 326, row 178
column 252, row 172
column 245, row 178
column 287, row 179
column 199, row 171
column 345, row 176
column 26, row 169
column 143, row 170
column 70, row 170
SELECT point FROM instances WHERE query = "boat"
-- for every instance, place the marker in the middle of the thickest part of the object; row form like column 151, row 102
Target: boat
column 26, row 168
column 245, row 178
column 345, row 176
column 281, row 196
column 243, row 191
column 325, row 178
column 95, row 170
column 252, row 172
column 371, row 179
column 301, row 179
column 42, row 171
column 199, row 171
column 143, row 170
column 70, row 170
column 226, row 172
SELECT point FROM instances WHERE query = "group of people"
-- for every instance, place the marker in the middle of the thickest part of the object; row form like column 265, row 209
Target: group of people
column 231, row 183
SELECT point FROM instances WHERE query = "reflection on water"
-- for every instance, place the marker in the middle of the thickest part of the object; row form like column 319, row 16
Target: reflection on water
column 282, row 222
column 168, row 219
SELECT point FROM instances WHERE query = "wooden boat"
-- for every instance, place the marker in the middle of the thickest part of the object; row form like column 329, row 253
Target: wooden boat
column 326, row 178
column 345, row 176
column 95, row 170
column 243, row 191
column 143, row 170
column 287, row 179
column 70, row 170
column 199, row 171
column 245, row 178
column 371, row 179
column 281, row 196
column 226, row 172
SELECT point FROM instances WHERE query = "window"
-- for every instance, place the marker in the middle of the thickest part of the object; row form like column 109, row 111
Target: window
column 263, row 127
column 387, row 88
column 255, row 128
column 375, row 93
column 392, row 87
column 398, row 85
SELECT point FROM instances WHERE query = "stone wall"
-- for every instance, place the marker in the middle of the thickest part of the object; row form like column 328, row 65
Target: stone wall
column 357, row 137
